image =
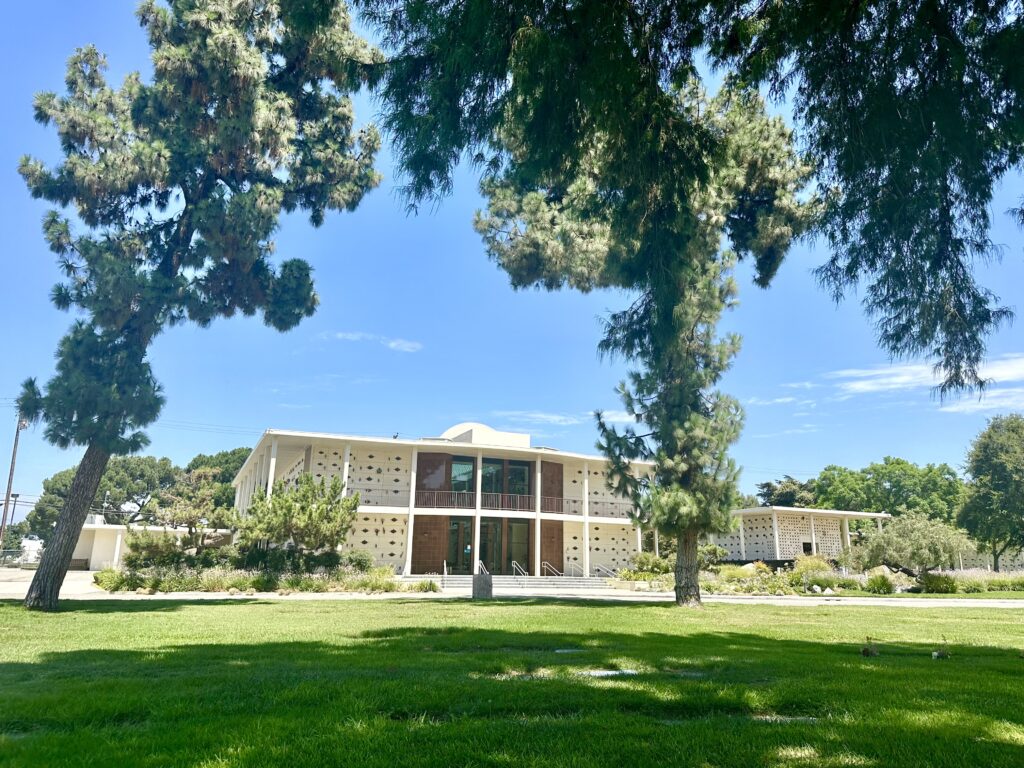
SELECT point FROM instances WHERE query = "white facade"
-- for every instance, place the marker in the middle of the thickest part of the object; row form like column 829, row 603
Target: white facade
column 560, row 498
column 784, row 533
column 103, row 545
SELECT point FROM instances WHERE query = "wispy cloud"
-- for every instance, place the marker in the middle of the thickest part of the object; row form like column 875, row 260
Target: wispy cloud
column 1006, row 399
column 396, row 344
column 618, row 417
column 803, row 429
column 893, row 378
column 771, row 401
column 542, row 417
column 403, row 345
column 801, row 385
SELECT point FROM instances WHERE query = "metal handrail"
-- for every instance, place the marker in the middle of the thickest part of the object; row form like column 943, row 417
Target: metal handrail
column 519, row 572
column 606, row 571
column 549, row 567
column 483, row 567
column 515, row 502
column 571, row 566
column 444, row 573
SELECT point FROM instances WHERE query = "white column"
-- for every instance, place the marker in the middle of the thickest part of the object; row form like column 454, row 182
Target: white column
column 846, row 532
column 272, row 468
column 814, row 539
column 639, row 539
column 238, row 494
column 878, row 522
column 586, row 519
column 258, row 479
column 775, row 533
column 743, row 542
column 117, row 550
column 657, row 550
column 536, row 527
column 477, row 507
column 412, row 505
column 345, row 461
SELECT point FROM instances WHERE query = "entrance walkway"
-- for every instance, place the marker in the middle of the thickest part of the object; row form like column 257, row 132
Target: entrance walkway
column 79, row 586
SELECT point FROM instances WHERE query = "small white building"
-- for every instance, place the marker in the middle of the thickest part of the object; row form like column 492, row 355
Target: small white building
column 784, row 533
column 102, row 544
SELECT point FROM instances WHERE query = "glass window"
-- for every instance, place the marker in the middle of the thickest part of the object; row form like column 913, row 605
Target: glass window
column 519, row 478
column 462, row 474
column 493, row 476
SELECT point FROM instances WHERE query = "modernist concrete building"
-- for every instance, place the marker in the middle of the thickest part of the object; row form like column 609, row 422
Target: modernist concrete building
column 784, row 533
column 102, row 544
column 472, row 497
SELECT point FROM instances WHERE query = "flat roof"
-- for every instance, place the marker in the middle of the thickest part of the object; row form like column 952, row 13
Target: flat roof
column 811, row 511
column 294, row 437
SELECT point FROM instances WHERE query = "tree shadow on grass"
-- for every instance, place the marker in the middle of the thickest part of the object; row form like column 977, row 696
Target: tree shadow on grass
column 460, row 696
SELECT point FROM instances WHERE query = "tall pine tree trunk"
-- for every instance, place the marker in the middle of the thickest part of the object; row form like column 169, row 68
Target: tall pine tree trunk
column 42, row 594
column 687, row 573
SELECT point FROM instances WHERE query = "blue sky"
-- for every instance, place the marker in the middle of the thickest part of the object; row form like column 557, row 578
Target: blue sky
column 417, row 330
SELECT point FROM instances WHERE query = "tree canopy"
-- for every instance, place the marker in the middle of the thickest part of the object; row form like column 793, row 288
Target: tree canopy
column 893, row 485
column 916, row 543
column 178, row 185
column 312, row 516
column 910, row 111
column 994, row 509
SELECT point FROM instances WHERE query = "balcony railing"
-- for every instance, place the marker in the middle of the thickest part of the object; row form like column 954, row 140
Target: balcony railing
column 510, row 502
column 446, row 499
column 513, row 502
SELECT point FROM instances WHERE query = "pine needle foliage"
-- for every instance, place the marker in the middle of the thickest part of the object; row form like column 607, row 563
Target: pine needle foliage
column 169, row 192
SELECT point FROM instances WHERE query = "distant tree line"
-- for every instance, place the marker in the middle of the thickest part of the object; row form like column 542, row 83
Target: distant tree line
column 987, row 503
column 144, row 490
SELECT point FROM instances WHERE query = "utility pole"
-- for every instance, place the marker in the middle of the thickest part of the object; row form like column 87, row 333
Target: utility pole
column 22, row 424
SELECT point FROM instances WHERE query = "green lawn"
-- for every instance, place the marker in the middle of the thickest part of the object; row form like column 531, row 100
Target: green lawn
column 453, row 683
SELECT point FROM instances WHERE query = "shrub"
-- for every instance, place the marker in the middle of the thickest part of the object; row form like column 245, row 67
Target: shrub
column 182, row 581
column 973, row 586
column 109, row 579
column 648, row 562
column 149, row 550
column 937, row 583
column 358, row 559
column 807, row 564
column 427, row 585
column 710, row 555
column 879, row 584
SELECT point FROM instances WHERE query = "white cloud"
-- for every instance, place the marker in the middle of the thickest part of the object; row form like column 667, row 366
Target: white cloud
column 770, row 401
column 398, row 345
column 404, row 345
column 542, row 417
column 891, row 378
column 801, row 385
column 803, row 429
column 1008, row 399
column 618, row 417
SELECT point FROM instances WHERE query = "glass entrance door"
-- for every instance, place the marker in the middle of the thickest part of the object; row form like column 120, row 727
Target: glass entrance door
column 518, row 549
column 490, row 544
column 460, row 545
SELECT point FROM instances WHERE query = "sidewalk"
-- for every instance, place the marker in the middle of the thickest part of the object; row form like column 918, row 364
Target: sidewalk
column 79, row 586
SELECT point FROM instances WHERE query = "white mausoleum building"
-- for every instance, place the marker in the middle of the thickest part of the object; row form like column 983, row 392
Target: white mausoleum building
column 785, row 533
column 472, row 497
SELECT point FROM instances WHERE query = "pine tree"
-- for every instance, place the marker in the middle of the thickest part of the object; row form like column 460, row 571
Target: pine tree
column 178, row 185
column 670, row 251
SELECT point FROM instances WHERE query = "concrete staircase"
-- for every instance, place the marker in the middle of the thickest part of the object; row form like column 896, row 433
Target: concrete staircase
column 521, row 582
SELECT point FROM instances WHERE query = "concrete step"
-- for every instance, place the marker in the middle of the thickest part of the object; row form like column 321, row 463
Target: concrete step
column 527, row 582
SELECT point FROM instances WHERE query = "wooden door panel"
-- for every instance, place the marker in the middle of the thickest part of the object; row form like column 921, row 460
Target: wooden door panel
column 551, row 550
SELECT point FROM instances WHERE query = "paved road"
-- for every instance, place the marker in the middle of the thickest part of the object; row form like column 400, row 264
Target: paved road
column 79, row 586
